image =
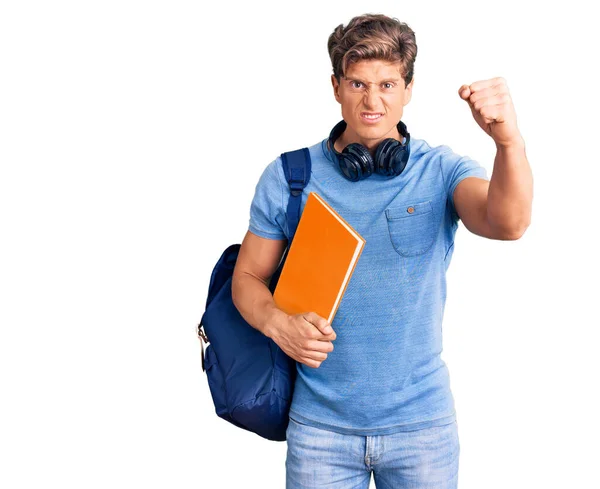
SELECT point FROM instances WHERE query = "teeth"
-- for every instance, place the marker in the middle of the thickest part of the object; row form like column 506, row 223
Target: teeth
column 367, row 116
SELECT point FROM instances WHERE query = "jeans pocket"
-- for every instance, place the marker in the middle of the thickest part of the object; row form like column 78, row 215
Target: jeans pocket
column 412, row 227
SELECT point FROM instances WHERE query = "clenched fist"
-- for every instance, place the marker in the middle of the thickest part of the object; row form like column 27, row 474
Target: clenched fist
column 492, row 108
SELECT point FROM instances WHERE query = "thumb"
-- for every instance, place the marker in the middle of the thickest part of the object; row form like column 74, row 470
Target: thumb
column 465, row 92
column 325, row 327
column 320, row 322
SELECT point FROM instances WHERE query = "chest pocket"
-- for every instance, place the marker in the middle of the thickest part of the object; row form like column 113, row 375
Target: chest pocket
column 412, row 227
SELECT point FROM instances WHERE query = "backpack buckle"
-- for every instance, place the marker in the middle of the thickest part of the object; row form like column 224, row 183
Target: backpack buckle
column 296, row 187
column 202, row 334
column 202, row 337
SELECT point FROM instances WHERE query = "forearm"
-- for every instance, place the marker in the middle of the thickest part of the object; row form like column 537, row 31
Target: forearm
column 254, row 301
column 510, row 194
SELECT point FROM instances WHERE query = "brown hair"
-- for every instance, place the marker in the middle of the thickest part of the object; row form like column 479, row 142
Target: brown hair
column 373, row 36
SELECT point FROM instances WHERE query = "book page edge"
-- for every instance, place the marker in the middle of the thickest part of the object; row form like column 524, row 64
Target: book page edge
column 359, row 247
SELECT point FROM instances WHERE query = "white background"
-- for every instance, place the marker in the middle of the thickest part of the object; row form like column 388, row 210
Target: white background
column 132, row 135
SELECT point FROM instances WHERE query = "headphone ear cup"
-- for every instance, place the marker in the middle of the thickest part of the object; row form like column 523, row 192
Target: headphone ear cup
column 398, row 158
column 391, row 157
column 356, row 162
column 382, row 156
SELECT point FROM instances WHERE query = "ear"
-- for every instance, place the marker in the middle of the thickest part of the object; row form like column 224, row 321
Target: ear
column 336, row 88
column 408, row 91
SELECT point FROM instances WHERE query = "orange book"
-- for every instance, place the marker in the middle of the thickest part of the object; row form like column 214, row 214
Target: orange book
column 319, row 263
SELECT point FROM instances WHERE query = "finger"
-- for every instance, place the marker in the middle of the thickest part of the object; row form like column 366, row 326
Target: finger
column 492, row 82
column 321, row 346
column 316, row 356
column 487, row 101
column 312, row 363
column 308, row 359
column 484, row 93
column 492, row 113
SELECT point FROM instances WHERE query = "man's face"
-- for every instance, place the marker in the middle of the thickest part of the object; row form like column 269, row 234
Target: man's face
column 372, row 87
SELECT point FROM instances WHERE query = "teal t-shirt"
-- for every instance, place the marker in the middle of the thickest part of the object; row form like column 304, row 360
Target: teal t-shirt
column 385, row 373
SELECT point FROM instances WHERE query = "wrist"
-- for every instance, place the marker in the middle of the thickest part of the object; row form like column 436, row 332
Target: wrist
column 517, row 144
column 274, row 318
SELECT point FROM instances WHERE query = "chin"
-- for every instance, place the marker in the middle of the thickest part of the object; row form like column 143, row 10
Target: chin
column 372, row 131
column 382, row 128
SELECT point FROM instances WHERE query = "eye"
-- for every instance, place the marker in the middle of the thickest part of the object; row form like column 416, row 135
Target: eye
column 391, row 85
column 353, row 83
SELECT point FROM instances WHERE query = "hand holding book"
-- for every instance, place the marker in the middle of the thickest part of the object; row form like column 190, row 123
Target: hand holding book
column 304, row 337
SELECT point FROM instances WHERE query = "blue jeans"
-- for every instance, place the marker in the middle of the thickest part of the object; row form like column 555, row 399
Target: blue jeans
column 426, row 458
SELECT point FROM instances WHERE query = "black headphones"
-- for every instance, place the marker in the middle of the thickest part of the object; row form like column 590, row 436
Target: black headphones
column 356, row 162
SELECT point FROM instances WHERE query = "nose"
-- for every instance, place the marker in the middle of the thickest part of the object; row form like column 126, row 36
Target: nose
column 370, row 99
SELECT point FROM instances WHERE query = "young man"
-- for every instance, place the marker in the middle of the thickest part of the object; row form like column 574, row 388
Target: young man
column 381, row 401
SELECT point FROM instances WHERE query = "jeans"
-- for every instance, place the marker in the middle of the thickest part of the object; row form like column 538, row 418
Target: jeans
column 425, row 458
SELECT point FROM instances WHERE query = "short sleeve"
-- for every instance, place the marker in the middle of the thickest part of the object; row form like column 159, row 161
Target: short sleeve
column 267, row 215
column 456, row 168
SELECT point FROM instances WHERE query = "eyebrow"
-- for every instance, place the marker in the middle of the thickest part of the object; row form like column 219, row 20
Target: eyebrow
column 382, row 81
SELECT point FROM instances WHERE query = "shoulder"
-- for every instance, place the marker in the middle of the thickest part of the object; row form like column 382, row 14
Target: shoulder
column 447, row 161
column 425, row 158
column 272, row 173
column 425, row 149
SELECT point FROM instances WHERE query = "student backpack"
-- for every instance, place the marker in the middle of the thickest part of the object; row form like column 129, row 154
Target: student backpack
column 251, row 379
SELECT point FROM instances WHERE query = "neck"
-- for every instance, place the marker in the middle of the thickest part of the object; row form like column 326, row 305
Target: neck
column 348, row 137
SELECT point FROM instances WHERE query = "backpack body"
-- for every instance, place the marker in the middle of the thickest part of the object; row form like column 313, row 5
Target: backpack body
column 250, row 378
